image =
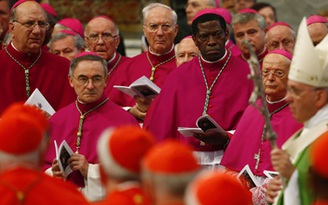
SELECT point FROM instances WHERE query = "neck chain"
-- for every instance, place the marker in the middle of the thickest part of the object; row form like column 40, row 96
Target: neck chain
column 111, row 70
column 153, row 68
column 209, row 89
column 26, row 70
column 82, row 117
column 257, row 155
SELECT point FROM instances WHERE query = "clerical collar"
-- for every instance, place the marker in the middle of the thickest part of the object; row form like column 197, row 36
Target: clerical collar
column 112, row 59
column 12, row 44
column 260, row 56
column 210, row 62
column 274, row 102
column 319, row 116
column 156, row 54
column 84, row 107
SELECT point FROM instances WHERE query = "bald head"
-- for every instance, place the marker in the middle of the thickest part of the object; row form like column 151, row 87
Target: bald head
column 185, row 51
column 280, row 37
column 28, row 25
column 102, row 37
column 275, row 70
column 317, row 32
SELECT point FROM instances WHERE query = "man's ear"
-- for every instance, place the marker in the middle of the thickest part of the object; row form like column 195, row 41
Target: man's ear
column 70, row 80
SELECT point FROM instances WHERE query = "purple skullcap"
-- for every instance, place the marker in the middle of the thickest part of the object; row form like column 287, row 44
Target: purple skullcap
column 316, row 19
column 225, row 14
column 87, row 53
column 19, row 2
column 282, row 52
column 279, row 24
column 74, row 24
column 206, row 11
column 49, row 9
column 69, row 32
column 248, row 11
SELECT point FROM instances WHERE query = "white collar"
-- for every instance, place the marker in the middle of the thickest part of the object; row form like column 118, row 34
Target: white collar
column 112, row 58
column 156, row 54
column 319, row 116
column 216, row 60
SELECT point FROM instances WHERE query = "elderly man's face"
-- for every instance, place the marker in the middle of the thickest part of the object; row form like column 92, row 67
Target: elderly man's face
column 317, row 32
column 275, row 75
column 303, row 100
column 186, row 51
column 253, row 33
column 210, row 40
column 195, row 6
column 281, row 37
column 28, row 30
column 65, row 48
column 102, row 38
column 88, row 81
column 160, row 30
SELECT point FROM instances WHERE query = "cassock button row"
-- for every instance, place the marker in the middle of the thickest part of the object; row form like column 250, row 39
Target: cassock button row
column 210, row 106
column 211, row 96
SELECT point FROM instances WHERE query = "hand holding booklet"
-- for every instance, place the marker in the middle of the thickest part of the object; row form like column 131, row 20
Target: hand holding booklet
column 204, row 123
column 142, row 87
column 63, row 153
column 40, row 101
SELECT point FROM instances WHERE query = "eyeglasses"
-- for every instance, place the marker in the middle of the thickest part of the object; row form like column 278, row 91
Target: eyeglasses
column 154, row 27
column 276, row 73
column 83, row 80
column 104, row 36
column 31, row 24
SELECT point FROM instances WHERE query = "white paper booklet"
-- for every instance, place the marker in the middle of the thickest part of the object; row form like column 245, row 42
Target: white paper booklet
column 270, row 174
column 63, row 153
column 142, row 87
column 203, row 123
column 40, row 101
column 247, row 174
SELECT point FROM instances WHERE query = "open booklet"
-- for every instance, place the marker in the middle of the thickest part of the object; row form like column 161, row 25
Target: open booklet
column 142, row 87
column 40, row 101
column 63, row 153
column 249, row 178
column 203, row 123
column 246, row 175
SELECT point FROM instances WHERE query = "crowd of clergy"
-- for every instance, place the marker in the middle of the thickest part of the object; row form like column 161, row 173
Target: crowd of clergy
column 262, row 84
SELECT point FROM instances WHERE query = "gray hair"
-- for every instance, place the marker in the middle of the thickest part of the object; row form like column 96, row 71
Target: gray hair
column 77, row 60
column 244, row 18
column 146, row 10
column 78, row 41
column 173, row 184
column 32, row 158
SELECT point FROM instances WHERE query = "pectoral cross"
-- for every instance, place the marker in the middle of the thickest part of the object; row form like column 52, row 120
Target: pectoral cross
column 257, row 158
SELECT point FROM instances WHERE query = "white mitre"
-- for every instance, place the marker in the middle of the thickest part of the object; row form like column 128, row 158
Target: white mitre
column 309, row 64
